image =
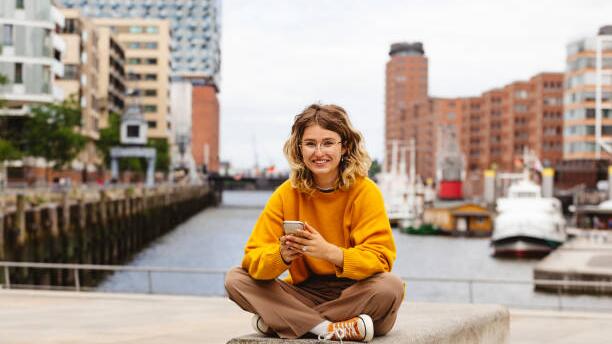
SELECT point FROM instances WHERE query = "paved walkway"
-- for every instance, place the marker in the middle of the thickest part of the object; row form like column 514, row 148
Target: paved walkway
column 66, row 317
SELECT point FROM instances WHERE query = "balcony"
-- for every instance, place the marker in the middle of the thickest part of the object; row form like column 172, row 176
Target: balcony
column 57, row 68
column 58, row 43
column 57, row 17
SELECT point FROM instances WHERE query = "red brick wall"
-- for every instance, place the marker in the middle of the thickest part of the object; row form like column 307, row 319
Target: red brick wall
column 407, row 108
column 205, row 126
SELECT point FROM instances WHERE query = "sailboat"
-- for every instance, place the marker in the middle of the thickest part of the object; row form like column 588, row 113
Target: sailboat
column 399, row 189
column 527, row 224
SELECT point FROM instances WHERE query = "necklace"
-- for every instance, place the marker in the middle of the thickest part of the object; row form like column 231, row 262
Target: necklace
column 326, row 189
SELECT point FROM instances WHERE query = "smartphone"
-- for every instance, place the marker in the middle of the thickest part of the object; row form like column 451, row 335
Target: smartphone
column 291, row 227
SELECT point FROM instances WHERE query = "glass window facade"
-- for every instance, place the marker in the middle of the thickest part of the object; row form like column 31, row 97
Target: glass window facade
column 195, row 27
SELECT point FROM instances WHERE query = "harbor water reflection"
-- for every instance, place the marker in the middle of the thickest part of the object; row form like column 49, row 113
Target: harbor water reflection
column 214, row 239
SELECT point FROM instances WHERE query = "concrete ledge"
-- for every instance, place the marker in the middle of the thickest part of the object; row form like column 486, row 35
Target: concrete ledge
column 420, row 323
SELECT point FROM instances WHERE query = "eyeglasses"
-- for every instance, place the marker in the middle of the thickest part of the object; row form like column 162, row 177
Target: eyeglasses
column 326, row 146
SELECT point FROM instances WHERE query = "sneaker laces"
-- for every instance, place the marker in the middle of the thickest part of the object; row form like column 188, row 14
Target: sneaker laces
column 345, row 329
column 339, row 333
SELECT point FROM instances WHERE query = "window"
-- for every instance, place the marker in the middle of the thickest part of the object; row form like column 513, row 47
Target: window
column 19, row 4
column 18, row 73
column 7, row 35
column 134, row 45
column 133, row 131
column 521, row 94
column 152, row 124
column 71, row 72
column 135, row 29
column 133, row 60
column 150, row 108
column 70, row 26
column 520, row 108
column 152, row 29
column 151, row 45
column 150, row 93
column 150, row 77
column 151, row 61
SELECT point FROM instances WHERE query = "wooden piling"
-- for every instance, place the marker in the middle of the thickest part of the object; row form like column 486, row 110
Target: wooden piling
column 65, row 212
column 53, row 209
column 20, row 220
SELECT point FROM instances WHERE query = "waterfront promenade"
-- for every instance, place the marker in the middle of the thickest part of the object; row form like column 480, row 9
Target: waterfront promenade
column 46, row 317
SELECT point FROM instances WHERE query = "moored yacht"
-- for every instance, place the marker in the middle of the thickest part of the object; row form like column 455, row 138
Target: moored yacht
column 527, row 224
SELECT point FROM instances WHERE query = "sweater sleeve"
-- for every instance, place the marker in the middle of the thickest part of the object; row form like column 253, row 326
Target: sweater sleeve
column 372, row 248
column 262, row 258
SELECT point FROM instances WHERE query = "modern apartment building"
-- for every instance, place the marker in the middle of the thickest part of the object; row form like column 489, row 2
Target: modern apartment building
column 31, row 53
column 146, row 44
column 112, row 77
column 492, row 129
column 195, row 26
column 30, row 61
column 93, row 77
column 588, row 98
column 196, row 57
column 80, row 80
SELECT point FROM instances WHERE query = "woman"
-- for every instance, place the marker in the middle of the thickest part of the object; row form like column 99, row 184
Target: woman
column 339, row 285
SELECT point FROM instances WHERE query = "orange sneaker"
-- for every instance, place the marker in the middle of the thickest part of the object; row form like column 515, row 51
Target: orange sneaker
column 360, row 329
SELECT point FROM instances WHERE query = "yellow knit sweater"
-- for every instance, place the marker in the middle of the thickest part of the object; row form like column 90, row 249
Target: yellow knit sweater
column 354, row 220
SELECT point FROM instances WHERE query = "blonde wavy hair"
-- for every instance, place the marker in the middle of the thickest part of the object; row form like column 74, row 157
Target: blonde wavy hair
column 355, row 162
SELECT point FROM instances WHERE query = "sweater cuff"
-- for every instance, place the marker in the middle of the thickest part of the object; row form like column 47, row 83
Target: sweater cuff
column 350, row 264
column 278, row 264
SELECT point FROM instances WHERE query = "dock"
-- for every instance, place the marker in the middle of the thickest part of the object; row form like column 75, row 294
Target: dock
column 586, row 258
column 46, row 317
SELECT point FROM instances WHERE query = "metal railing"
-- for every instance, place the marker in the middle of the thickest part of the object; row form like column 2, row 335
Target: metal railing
column 149, row 270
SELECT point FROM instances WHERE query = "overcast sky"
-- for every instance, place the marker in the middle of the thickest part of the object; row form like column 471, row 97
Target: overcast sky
column 279, row 56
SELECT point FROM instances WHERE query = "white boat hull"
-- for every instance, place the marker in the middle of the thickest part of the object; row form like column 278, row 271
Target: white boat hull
column 527, row 224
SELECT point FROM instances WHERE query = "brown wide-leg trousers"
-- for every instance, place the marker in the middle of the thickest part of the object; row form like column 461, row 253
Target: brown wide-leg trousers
column 293, row 310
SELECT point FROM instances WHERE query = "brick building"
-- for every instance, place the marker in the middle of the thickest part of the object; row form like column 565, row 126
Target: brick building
column 492, row 129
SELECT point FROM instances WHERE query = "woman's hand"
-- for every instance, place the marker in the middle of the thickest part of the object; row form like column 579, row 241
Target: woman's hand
column 288, row 253
column 311, row 243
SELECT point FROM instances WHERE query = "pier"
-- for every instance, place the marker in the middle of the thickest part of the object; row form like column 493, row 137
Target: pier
column 586, row 258
column 91, row 227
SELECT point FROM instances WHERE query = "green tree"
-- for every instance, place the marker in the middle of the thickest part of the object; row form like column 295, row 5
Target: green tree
column 375, row 168
column 3, row 81
column 162, row 161
column 8, row 151
column 52, row 132
column 109, row 137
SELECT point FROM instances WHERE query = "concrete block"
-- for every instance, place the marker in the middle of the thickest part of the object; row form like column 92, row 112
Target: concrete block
column 421, row 323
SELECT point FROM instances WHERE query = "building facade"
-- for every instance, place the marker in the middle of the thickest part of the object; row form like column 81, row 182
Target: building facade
column 31, row 55
column 111, row 79
column 406, row 101
column 492, row 129
column 196, row 57
column 195, row 26
column 146, row 44
column 94, row 77
column 588, row 98
column 30, row 61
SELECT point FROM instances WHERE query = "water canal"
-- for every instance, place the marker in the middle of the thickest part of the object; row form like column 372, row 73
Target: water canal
column 214, row 239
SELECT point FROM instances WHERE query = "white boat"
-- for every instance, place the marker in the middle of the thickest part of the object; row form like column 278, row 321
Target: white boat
column 527, row 224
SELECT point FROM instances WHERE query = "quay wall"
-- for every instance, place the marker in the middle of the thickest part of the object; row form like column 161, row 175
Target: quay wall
column 102, row 227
